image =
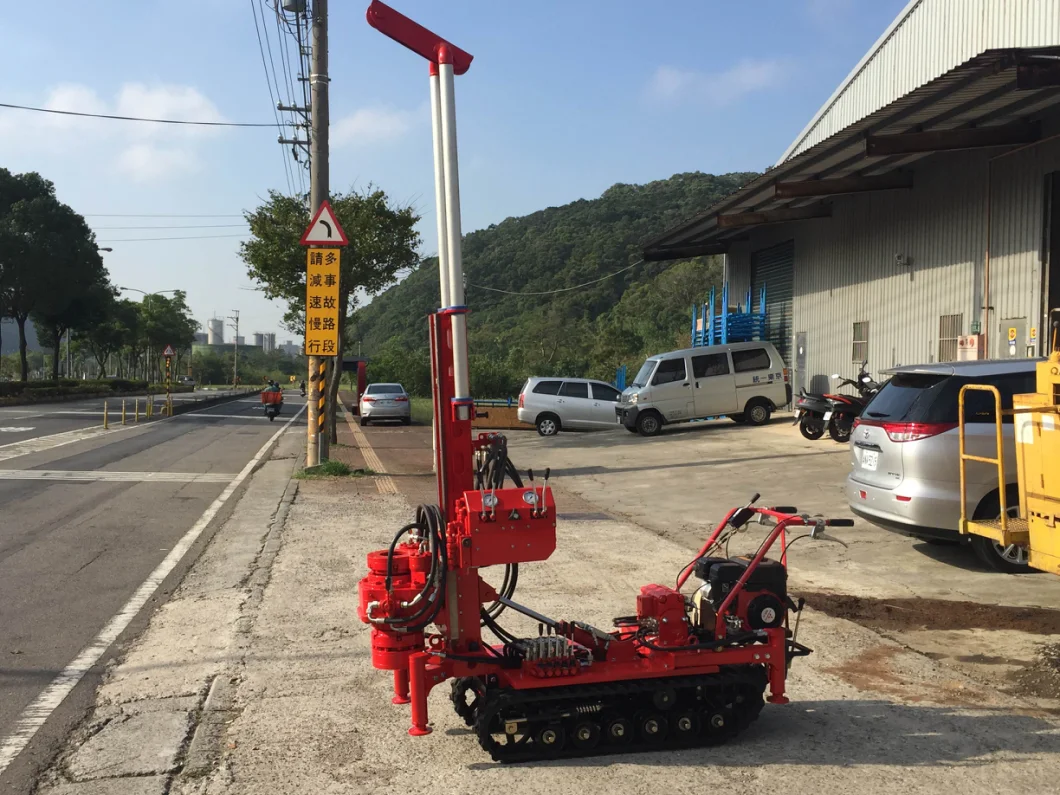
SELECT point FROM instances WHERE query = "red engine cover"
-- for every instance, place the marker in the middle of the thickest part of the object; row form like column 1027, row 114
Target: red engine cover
column 667, row 608
column 392, row 648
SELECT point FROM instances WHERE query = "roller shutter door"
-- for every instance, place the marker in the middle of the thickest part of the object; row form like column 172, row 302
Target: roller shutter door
column 774, row 269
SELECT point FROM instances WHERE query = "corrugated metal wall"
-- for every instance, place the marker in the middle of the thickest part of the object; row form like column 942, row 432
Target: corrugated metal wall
column 846, row 271
column 936, row 36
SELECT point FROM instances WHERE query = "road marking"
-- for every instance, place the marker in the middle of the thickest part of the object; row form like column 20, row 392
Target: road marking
column 202, row 415
column 38, row 711
column 15, row 429
column 383, row 483
column 42, row 443
column 105, row 475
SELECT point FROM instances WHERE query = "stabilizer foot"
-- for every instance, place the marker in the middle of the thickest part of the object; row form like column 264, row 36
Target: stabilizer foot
column 400, row 700
column 416, row 731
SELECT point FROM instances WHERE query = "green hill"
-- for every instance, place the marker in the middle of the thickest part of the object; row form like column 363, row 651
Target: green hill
column 583, row 330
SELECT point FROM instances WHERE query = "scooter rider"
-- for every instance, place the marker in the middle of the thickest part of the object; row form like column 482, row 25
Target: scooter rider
column 302, row 387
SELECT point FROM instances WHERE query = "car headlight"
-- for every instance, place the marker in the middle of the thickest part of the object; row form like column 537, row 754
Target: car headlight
column 633, row 398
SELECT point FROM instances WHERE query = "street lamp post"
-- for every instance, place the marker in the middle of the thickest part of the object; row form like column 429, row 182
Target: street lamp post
column 144, row 293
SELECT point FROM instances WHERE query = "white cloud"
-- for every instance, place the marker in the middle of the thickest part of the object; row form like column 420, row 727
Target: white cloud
column 149, row 163
column 670, row 85
column 146, row 152
column 370, row 126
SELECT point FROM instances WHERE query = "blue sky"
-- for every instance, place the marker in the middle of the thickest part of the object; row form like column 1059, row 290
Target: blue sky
column 563, row 100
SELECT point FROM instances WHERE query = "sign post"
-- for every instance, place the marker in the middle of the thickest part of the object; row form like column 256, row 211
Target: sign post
column 169, row 353
column 323, row 259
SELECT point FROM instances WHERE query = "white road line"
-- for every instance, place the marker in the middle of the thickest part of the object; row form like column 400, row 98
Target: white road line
column 16, row 429
column 106, row 475
column 384, row 484
column 202, row 415
column 38, row 711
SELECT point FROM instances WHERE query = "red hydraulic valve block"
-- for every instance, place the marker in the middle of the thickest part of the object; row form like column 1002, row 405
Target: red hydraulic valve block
column 393, row 643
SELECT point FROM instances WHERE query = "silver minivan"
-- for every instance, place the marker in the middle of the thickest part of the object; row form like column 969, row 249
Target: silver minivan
column 745, row 381
column 905, row 453
column 554, row 404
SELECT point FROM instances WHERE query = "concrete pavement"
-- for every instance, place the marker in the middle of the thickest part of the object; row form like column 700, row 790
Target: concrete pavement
column 256, row 677
column 91, row 527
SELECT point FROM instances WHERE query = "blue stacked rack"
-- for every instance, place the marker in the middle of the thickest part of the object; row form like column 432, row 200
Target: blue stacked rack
column 742, row 325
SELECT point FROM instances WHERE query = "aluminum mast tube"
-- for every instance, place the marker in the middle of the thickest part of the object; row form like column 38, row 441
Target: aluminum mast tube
column 439, row 186
column 452, row 222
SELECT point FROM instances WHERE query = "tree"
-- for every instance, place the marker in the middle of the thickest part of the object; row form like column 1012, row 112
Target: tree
column 77, row 301
column 165, row 321
column 27, row 244
column 118, row 328
column 383, row 242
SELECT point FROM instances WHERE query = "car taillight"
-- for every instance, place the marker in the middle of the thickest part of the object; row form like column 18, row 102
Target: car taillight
column 522, row 400
column 401, row 399
column 915, row 431
column 785, row 375
column 367, row 399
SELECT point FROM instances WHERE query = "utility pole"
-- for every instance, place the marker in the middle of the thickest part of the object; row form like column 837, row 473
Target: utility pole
column 317, row 443
column 235, row 349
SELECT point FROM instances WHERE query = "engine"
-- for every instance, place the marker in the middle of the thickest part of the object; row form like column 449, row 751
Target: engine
column 761, row 604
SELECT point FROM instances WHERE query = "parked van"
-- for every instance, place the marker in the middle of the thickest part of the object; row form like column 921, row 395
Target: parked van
column 552, row 404
column 745, row 381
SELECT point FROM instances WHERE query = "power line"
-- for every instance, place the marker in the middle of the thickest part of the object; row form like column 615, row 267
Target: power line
column 268, row 84
column 178, row 226
column 561, row 289
column 189, row 237
column 140, row 118
column 158, row 215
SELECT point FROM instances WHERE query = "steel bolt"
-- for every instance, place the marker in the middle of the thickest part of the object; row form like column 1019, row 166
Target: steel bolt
column 684, row 723
column 548, row 737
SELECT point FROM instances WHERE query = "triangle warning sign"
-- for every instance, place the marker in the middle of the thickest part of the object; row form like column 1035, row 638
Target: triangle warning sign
column 324, row 229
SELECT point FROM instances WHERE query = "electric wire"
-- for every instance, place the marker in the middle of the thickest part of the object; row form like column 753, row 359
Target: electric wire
column 276, row 85
column 157, row 215
column 176, row 226
column 116, row 117
column 268, row 84
column 185, row 237
column 559, row 290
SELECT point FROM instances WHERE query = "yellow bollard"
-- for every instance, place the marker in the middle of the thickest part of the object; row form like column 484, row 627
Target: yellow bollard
column 136, row 410
column 105, row 425
column 150, row 403
column 123, row 411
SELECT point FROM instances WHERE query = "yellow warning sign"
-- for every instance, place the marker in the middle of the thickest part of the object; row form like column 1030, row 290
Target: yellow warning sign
column 1011, row 334
column 322, row 302
column 1034, row 333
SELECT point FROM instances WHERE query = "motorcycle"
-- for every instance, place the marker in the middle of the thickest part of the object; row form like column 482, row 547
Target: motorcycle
column 272, row 402
column 301, row 392
column 832, row 411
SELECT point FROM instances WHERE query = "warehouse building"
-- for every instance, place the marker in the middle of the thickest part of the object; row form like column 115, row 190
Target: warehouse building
column 918, row 213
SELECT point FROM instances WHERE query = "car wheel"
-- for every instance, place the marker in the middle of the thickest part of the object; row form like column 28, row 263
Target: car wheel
column 364, row 421
column 1010, row 560
column 548, row 425
column 649, row 424
column 736, row 417
column 757, row 412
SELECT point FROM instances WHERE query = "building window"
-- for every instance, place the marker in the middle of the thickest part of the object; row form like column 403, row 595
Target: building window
column 950, row 328
column 860, row 351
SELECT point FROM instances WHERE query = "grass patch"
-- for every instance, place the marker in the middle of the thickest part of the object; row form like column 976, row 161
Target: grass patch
column 422, row 410
column 332, row 469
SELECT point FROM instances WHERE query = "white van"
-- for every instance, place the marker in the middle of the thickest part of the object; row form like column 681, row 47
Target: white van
column 745, row 381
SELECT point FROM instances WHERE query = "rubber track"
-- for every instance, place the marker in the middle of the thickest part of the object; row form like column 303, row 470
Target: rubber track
column 613, row 699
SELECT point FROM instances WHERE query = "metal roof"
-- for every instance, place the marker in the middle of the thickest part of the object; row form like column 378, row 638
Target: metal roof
column 926, row 40
column 981, row 92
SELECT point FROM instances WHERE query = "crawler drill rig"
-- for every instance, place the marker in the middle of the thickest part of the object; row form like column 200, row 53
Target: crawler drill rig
column 681, row 671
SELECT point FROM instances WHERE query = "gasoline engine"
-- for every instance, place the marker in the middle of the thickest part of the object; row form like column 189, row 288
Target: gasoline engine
column 682, row 671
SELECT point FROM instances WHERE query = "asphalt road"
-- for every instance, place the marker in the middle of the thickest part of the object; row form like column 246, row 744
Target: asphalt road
column 19, row 423
column 84, row 523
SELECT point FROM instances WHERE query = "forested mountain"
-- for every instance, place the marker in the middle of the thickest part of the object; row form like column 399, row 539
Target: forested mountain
column 584, row 330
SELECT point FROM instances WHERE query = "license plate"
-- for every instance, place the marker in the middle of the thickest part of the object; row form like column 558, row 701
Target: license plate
column 386, row 402
column 827, row 416
column 869, row 460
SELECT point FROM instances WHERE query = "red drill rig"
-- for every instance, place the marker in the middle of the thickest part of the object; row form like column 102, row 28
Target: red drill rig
column 681, row 672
